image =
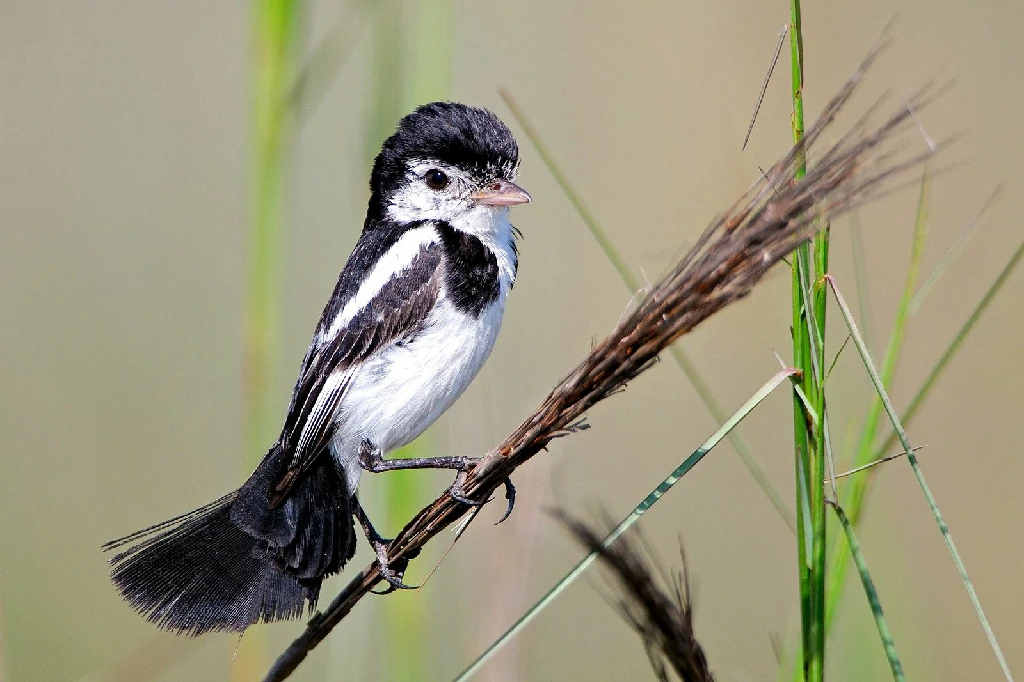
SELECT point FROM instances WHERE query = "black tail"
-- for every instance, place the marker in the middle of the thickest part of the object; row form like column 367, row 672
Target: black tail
column 235, row 561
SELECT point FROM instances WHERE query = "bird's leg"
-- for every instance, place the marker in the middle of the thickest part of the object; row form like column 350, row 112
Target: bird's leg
column 380, row 548
column 372, row 459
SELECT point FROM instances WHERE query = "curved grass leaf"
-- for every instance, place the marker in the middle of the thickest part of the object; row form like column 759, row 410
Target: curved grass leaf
column 854, row 497
column 872, row 595
column 869, row 365
column 629, row 520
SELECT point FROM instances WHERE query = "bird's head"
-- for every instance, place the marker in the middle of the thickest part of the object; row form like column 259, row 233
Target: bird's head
column 447, row 162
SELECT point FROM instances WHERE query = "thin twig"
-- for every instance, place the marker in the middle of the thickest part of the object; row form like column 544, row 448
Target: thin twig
column 764, row 86
column 887, row 458
column 732, row 256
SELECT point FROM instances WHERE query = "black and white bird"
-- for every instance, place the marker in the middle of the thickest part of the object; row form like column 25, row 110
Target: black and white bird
column 412, row 319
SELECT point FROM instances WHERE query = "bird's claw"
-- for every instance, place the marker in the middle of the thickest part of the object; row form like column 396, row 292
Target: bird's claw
column 392, row 576
column 510, row 495
column 457, row 493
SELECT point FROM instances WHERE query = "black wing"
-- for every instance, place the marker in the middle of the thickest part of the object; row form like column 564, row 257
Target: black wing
column 397, row 311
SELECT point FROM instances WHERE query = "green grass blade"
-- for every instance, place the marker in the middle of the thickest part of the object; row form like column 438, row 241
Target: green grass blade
column 830, row 462
column 629, row 520
column 855, row 492
column 589, row 219
column 883, row 460
column 276, row 28
column 872, row 595
column 876, row 380
column 808, row 326
column 412, row 63
column 427, row 28
column 276, row 36
column 839, row 353
column 947, row 356
column 388, row 76
column 860, row 275
column 680, row 357
column 952, row 253
column 320, row 70
column 804, row 502
column 401, row 620
column 433, row 40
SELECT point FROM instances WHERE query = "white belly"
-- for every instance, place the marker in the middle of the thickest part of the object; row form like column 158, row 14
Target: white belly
column 398, row 394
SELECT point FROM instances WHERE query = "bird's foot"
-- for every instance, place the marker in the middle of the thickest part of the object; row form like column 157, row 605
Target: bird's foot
column 372, row 459
column 458, row 493
column 393, row 574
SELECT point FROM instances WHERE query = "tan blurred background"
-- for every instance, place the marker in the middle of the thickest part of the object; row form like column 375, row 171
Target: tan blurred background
column 124, row 138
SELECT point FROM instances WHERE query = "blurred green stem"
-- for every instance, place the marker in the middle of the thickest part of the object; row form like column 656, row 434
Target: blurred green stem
column 861, row 278
column 276, row 23
column 275, row 27
column 954, row 347
column 402, row 619
column 808, row 324
column 412, row 62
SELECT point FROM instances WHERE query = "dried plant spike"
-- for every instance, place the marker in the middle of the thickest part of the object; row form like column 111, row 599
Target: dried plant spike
column 664, row 620
column 732, row 255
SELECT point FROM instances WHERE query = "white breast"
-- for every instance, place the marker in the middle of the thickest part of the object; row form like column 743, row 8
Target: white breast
column 401, row 391
column 395, row 396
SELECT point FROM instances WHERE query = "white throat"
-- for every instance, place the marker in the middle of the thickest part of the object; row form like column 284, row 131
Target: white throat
column 491, row 226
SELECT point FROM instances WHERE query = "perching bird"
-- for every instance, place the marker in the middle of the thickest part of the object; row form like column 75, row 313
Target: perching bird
column 412, row 319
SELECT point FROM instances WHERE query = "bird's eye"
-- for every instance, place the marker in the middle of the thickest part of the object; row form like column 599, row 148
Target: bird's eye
column 435, row 179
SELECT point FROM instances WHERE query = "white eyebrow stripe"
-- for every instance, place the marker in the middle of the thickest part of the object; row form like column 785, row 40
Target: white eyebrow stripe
column 397, row 258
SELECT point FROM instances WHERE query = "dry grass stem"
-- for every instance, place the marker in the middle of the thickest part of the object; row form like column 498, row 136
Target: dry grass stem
column 728, row 260
column 663, row 620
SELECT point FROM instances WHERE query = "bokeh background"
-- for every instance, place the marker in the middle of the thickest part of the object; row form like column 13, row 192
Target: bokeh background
column 126, row 154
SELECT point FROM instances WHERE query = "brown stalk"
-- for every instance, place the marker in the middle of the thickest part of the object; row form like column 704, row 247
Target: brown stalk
column 732, row 255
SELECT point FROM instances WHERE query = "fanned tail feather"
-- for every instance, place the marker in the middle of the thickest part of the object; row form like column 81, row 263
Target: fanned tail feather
column 235, row 561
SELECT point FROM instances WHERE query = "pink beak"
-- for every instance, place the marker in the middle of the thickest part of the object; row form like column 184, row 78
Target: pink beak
column 501, row 193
